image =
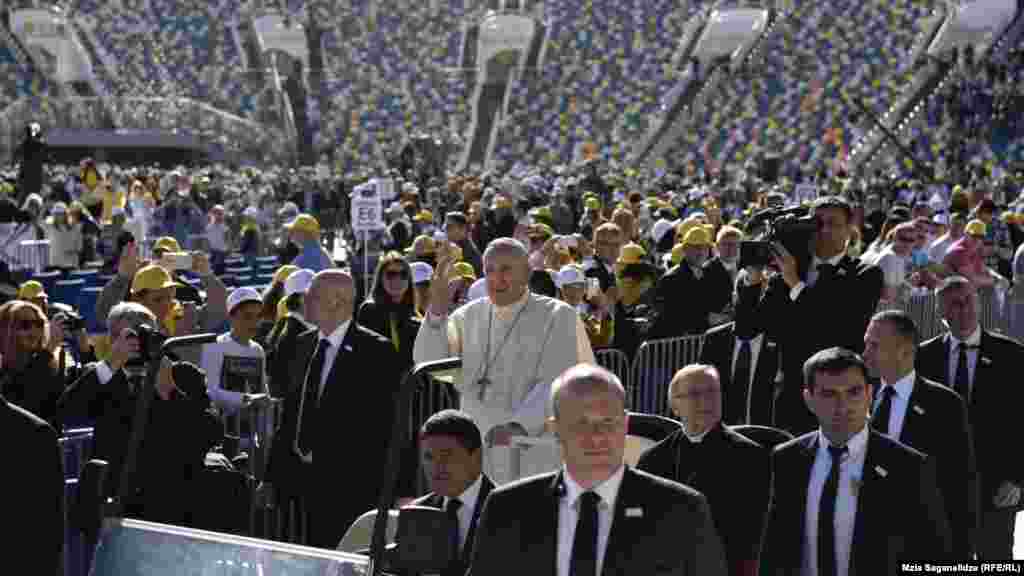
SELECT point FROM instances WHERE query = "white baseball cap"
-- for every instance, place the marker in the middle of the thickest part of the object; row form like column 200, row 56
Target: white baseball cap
column 660, row 228
column 477, row 290
column 569, row 274
column 298, row 282
column 251, row 212
column 421, row 272
column 242, row 295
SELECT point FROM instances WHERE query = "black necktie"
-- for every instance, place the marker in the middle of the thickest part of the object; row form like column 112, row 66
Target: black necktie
column 452, row 510
column 827, row 516
column 962, row 383
column 825, row 271
column 741, row 379
column 880, row 420
column 312, row 397
column 583, row 561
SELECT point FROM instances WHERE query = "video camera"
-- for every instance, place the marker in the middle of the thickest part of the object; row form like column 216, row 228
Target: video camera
column 794, row 228
column 150, row 341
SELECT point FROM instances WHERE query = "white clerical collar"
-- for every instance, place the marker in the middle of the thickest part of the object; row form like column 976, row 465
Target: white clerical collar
column 696, row 438
column 730, row 265
column 469, row 495
column 833, row 260
column 607, row 490
column 854, row 446
column 508, row 312
column 904, row 386
column 973, row 340
column 337, row 335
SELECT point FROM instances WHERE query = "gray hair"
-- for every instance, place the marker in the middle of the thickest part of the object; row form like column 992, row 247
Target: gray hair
column 690, row 370
column 132, row 313
column 585, row 379
column 506, row 246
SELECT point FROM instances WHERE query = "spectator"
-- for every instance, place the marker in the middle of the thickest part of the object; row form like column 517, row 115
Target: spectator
column 573, row 290
column 892, row 513
column 965, row 257
column 304, row 232
column 250, row 244
column 34, row 292
column 217, row 238
column 235, row 364
column 423, row 249
column 181, row 426
column 34, row 491
column 894, row 261
column 282, row 340
column 65, row 238
column 588, row 407
column 504, row 376
column 608, row 240
column 390, row 310
column 31, row 377
column 452, row 458
column 924, row 415
column 731, row 470
column 720, row 273
column 421, row 275
column 938, row 249
column 974, row 362
column 678, row 316
column 456, row 227
column 835, row 287
column 179, row 217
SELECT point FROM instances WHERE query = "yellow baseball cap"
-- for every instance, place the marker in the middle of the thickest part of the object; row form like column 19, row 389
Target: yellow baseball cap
column 592, row 203
column 976, row 228
column 464, row 270
column 502, row 202
column 31, row 289
column 423, row 216
column 631, row 253
column 684, row 227
column 283, row 273
column 167, row 244
column 698, row 236
column 152, row 277
column 423, row 245
column 304, row 223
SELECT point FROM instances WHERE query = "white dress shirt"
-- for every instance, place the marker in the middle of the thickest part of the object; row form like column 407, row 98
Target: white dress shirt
column 755, row 352
column 972, row 358
column 335, row 340
column 568, row 514
column 812, row 274
column 465, row 512
column 903, row 387
column 851, row 470
column 695, row 438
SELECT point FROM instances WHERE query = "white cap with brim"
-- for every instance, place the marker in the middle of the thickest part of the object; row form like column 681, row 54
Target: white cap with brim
column 298, row 282
column 242, row 295
column 569, row 275
column 421, row 272
column 251, row 212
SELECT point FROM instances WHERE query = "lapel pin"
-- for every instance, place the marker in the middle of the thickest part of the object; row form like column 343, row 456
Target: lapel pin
column 881, row 471
column 918, row 409
column 348, row 348
column 634, row 512
column 985, row 360
column 770, row 344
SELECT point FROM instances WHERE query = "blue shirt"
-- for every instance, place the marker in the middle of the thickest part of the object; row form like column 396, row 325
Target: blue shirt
column 313, row 257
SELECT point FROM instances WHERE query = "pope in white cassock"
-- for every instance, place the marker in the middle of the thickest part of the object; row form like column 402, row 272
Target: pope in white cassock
column 513, row 345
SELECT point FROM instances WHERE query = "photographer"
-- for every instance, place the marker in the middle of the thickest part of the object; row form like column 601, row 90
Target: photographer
column 828, row 304
column 181, row 427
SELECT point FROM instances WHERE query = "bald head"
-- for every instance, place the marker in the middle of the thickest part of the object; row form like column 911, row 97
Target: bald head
column 331, row 299
column 584, row 380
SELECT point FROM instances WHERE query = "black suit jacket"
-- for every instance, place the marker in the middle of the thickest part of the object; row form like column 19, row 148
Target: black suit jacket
column 375, row 316
column 33, row 492
column 900, row 516
column 280, row 352
column 719, row 283
column 353, row 428
column 732, row 471
column 935, row 423
column 459, row 566
column 659, row 527
column 833, row 312
column 718, row 350
column 682, row 302
column 994, row 406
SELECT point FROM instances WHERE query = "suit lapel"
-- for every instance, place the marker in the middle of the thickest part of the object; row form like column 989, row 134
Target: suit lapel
column 982, row 368
column 467, row 549
column 347, row 347
column 871, row 482
column 619, row 543
column 800, row 480
column 913, row 418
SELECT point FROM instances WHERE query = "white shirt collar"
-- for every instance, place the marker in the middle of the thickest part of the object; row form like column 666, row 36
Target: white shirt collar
column 973, row 340
column 833, row 260
column 470, row 494
column 338, row 335
column 607, row 490
column 696, row 438
column 854, row 446
column 904, row 386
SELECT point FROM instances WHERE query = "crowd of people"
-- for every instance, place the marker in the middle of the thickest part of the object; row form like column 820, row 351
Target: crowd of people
column 523, row 276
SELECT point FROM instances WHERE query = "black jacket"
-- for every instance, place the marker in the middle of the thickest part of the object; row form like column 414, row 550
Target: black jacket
column 36, row 387
column 376, row 317
column 732, row 471
column 459, row 565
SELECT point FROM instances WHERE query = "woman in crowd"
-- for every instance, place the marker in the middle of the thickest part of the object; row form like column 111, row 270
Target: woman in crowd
column 65, row 238
column 390, row 310
column 28, row 343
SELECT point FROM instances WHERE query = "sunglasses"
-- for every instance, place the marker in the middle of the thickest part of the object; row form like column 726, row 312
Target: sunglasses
column 403, row 274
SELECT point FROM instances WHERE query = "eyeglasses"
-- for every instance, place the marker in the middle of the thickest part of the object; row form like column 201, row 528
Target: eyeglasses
column 25, row 325
column 402, row 274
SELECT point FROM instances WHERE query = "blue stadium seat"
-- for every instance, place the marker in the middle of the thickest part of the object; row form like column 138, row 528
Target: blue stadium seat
column 47, row 279
column 86, row 275
column 265, row 278
column 67, row 291
column 266, row 261
column 239, row 270
column 87, row 308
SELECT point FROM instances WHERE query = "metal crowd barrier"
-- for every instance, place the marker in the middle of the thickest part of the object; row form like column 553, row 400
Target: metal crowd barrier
column 655, row 363
column 616, row 362
column 75, row 445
